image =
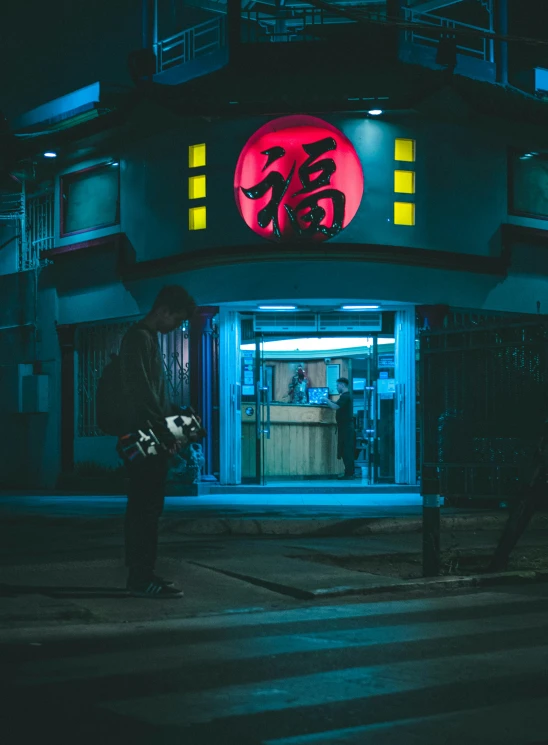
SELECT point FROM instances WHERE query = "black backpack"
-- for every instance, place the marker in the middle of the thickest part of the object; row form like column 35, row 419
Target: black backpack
column 109, row 398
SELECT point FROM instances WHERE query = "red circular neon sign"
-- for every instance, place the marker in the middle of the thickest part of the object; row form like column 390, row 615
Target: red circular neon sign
column 298, row 178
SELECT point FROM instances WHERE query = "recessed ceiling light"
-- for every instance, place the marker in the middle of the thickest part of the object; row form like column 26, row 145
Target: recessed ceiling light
column 360, row 307
column 50, row 154
column 277, row 307
column 375, row 112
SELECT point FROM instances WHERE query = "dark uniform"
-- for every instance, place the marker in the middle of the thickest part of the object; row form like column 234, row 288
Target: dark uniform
column 145, row 399
column 345, row 433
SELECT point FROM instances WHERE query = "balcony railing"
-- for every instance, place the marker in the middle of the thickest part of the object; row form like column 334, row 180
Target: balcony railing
column 192, row 43
column 430, row 27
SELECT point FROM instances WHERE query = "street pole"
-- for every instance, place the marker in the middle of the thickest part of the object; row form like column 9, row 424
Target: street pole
column 431, row 549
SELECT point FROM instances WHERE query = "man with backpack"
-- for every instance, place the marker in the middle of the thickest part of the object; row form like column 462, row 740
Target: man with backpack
column 144, row 399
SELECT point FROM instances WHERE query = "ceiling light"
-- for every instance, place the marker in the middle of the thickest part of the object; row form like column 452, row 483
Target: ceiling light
column 360, row 307
column 277, row 307
column 115, row 163
column 375, row 112
column 50, row 154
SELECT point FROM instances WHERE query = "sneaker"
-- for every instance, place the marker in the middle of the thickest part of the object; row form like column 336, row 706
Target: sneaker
column 166, row 582
column 153, row 588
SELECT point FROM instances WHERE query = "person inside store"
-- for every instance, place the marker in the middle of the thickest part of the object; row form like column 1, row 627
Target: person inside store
column 345, row 427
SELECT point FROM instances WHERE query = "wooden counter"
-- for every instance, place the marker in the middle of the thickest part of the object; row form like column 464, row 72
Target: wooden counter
column 303, row 441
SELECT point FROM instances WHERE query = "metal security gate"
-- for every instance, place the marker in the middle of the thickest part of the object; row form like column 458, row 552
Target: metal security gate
column 95, row 344
column 484, row 400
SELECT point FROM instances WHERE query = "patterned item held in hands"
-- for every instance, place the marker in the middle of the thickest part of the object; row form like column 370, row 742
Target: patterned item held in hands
column 181, row 429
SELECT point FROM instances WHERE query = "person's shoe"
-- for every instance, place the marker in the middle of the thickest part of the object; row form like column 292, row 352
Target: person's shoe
column 166, row 582
column 153, row 588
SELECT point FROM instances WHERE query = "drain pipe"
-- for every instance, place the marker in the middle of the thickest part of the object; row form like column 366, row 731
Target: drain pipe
column 234, row 28
column 149, row 33
column 395, row 10
column 501, row 28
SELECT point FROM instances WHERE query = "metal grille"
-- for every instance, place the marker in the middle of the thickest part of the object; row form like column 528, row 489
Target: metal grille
column 96, row 343
column 40, row 222
column 484, row 400
column 175, row 353
column 34, row 228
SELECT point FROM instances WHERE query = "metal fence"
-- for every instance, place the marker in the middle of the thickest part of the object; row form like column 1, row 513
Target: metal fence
column 429, row 28
column 484, row 398
column 192, row 43
column 32, row 218
column 95, row 344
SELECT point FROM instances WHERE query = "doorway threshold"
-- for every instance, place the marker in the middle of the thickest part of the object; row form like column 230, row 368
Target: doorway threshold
column 313, row 487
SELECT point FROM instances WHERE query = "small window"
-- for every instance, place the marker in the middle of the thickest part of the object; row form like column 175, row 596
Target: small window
column 528, row 182
column 90, row 199
column 404, row 213
column 197, row 156
column 196, row 187
column 405, row 150
column 197, row 218
column 404, row 182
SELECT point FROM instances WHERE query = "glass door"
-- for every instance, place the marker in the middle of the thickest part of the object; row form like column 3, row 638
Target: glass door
column 230, row 398
column 263, row 388
column 257, row 392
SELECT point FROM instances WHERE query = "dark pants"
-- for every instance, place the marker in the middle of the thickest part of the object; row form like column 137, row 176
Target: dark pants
column 346, row 441
column 145, row 502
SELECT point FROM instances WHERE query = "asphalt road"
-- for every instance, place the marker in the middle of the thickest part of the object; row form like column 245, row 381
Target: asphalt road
column 468, row 667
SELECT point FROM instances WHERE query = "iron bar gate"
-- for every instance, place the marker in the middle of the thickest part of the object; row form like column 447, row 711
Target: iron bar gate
column 95, row 344
column 484, row 401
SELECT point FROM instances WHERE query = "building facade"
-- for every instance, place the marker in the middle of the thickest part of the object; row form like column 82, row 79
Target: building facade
column 322, row 207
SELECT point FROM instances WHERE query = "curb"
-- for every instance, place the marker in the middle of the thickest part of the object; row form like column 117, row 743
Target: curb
column 443, row 583
column 335, row 527
column 55, row 626
column 338, row 526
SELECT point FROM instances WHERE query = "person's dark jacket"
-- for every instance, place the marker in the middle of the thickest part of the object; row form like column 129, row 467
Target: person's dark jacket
column 143, row 380
column 345, row 413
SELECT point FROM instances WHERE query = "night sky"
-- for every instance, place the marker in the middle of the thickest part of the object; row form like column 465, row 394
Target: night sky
column 49, row 48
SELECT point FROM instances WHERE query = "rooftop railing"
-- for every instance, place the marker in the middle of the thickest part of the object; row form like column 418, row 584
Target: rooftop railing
column 192, row 43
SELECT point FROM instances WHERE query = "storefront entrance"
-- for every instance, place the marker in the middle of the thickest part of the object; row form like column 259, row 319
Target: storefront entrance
column 277, row 369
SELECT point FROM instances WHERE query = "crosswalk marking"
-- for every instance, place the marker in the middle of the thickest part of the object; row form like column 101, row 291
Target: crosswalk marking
column 341, row 685
column 518, row 722
column 229, row 650
column 267, row 618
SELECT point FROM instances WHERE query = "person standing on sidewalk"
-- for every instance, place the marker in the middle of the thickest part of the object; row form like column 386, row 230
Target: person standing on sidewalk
column 145, row 399
column 346, row 438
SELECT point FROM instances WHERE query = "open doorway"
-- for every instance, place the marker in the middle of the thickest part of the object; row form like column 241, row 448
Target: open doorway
column 288, row 434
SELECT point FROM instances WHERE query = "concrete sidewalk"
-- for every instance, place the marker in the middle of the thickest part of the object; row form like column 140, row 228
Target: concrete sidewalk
column 83, row 581
column 249, row 514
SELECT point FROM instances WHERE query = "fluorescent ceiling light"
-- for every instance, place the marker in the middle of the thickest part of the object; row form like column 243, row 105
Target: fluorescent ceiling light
column 375, row 112
column 277, row 307
column 325, row 344
column 50, row 154
column 360, row 307
column 115, row 163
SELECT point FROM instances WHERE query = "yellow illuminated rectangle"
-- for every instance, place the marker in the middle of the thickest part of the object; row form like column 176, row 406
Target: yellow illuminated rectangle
column 197, row 218
column 404, row 182
column 405, row 150
column 404, row 213
column 196, row 187
column 197, row 156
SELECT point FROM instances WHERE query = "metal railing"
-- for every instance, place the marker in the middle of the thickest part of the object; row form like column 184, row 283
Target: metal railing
column 40, row 223
column 192, row 43
column 291, row 24
column 34, row 226
column 475, row 46
column 96, row 343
